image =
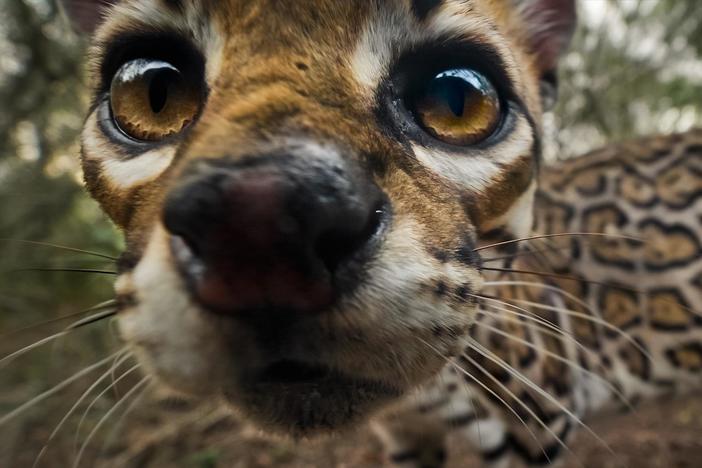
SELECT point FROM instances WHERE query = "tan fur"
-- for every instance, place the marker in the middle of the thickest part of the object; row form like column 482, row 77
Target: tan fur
column 316, row 75
column 278, row 73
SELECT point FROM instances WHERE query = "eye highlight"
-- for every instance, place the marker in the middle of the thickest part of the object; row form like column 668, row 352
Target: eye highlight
column 458, row 106
column 151, row 99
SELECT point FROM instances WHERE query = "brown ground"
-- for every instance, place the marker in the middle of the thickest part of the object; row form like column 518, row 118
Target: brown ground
column 171, row 434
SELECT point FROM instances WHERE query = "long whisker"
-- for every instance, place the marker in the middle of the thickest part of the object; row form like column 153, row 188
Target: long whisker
column 81, row 323
column 57, row 388
column 100, row 395
column 12, row 356
column 460, row 369
column 107, row 415
column 569, row 362
column 561, row 234
column 594, row 318
column 61, row 247
column 103, row 305
column 523, row 253
column 85, row 394
column 526, row 381
column 544, row 274
column 464, row 384
column 555, row 334
column 117, row 426
column 545, row 325
column 586, row 281
column 521, row 404
column 65, row 270
column 92, row 319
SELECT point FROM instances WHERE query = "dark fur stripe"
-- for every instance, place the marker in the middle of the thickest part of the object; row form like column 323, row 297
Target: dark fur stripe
column 460, row 420
column 404, row 457
column 423, row 8
column 174, row 4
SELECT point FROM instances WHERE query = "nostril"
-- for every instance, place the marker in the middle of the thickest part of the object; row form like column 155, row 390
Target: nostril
column 337, row 246
column 191, row 211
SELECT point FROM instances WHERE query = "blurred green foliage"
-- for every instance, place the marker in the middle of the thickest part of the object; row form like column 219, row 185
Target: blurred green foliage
column 635, row 68
column 41, row 198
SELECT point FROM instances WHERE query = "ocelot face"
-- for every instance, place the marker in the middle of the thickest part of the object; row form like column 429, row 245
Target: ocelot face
column 302, row 187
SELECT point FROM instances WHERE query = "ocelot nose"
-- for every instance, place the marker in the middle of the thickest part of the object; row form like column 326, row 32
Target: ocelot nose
column 282, row 232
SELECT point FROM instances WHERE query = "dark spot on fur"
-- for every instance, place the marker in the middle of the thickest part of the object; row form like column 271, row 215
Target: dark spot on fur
column 687, row 356
column 440, row 289
column 460, row 420
column 441, row 255
column 467, row 255
column 462, row 292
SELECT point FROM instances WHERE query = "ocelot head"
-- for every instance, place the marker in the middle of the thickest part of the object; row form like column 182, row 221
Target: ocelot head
column 302, row 186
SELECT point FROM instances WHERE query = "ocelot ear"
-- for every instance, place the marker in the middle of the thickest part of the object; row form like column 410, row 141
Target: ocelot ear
column 548, row 28
column 86, row 15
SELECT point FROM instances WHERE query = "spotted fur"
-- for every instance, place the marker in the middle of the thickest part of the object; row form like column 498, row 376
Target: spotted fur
column 618, row 322
column 437, row 334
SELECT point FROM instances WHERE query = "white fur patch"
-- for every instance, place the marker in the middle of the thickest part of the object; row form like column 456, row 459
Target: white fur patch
column 120, row 171
column 475, row 170
column 173, row 336
column 139, row 170
column 487, row 434
column 520, row 217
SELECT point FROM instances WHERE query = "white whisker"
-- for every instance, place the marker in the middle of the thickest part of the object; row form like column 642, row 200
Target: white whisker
column 498, row 397
column 612, row 388
column 63, row 420
column 97, row 398
column 52, row 391
column 594, row 318
column 86, row 321
column 526, row 381
column 107, row 415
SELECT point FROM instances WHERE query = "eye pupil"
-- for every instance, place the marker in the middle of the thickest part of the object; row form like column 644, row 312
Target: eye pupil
column 450, row 90
column 458, row 106
column 158, row 89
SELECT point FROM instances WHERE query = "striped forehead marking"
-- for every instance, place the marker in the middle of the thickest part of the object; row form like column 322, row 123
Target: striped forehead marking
column 393, row 28
column 192, row 19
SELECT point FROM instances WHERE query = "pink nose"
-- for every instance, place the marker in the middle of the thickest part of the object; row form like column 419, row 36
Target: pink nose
column 276, row 233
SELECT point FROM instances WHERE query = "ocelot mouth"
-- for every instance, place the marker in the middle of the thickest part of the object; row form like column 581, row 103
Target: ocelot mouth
column 288, row 371
column 302, row 398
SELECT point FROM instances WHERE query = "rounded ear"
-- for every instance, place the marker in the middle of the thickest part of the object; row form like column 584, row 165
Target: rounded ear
column 86, row 15
column 549, row 28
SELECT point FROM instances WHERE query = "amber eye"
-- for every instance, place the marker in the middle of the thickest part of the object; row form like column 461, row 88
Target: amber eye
column 458, row 106
column 151, row 99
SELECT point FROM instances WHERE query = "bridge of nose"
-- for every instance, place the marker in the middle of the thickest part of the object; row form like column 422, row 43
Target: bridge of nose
column 270, row 229
column 276, row 83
